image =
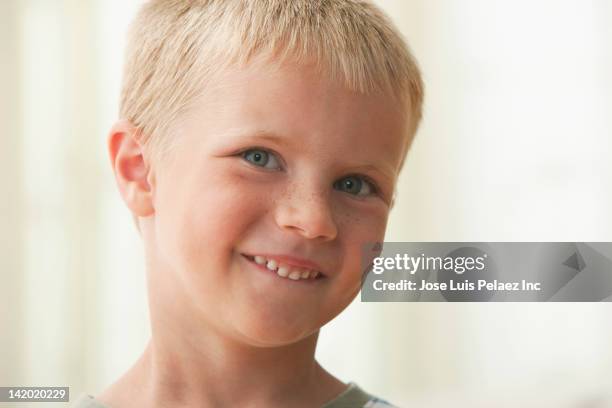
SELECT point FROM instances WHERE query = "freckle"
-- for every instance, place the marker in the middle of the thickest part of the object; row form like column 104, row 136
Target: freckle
column 354, row 219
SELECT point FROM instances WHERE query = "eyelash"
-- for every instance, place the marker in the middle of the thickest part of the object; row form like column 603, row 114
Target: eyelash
column 373, row 185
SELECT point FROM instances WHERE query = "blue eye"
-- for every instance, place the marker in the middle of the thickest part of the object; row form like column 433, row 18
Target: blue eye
column 355, row 185
column 261, row 158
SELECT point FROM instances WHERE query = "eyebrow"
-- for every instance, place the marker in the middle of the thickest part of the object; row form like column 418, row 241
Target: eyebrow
column 261, row 134
column 387, row 174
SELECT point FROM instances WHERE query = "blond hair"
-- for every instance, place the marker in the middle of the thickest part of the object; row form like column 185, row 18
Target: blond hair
column 175, row 46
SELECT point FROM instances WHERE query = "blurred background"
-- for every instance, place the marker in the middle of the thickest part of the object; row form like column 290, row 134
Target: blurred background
column 515, row 146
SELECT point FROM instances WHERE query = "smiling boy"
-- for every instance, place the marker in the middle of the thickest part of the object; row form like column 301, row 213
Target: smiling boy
column 258, row 149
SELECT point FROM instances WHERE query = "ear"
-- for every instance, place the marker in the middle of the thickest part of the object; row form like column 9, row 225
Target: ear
column 132, row 172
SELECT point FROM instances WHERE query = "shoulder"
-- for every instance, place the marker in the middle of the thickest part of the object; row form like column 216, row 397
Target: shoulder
column 355, row 397
column 378, row 403
column 87, row 401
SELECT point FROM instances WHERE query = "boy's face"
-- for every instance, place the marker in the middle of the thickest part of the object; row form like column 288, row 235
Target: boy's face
column 276, row 162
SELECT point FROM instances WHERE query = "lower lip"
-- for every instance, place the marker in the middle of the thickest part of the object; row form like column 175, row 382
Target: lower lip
column 273, row 274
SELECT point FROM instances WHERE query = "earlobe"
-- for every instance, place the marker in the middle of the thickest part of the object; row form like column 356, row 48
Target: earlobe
column 131, row 168
column 392, row 204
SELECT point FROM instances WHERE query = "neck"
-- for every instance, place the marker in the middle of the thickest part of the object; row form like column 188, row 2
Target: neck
column 211, row 369
column 223, row 372
column 224, row 375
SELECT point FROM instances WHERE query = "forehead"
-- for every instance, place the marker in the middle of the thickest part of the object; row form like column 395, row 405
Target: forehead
column 298, row 102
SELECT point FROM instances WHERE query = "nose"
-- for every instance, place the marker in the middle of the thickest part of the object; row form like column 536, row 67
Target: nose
column 306, row 211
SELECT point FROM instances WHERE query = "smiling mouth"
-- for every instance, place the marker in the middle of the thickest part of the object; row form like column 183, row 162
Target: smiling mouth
column 284, row 270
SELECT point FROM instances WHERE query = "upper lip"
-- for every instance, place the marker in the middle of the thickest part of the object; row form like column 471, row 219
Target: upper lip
column 290, row 260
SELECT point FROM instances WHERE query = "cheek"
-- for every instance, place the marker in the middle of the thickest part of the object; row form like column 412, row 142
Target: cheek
column 359, row 227
column 357, row 231
column 202, row 220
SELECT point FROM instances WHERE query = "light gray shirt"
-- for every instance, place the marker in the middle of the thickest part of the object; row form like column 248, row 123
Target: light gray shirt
column 352, row 397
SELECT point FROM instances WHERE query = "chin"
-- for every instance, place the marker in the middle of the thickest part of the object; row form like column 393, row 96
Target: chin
column 274, row 333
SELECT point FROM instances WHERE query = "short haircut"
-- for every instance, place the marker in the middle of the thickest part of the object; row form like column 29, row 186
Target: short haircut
column 174, row 46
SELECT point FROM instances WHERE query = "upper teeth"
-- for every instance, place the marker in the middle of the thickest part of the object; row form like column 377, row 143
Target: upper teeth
column 286, row 271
